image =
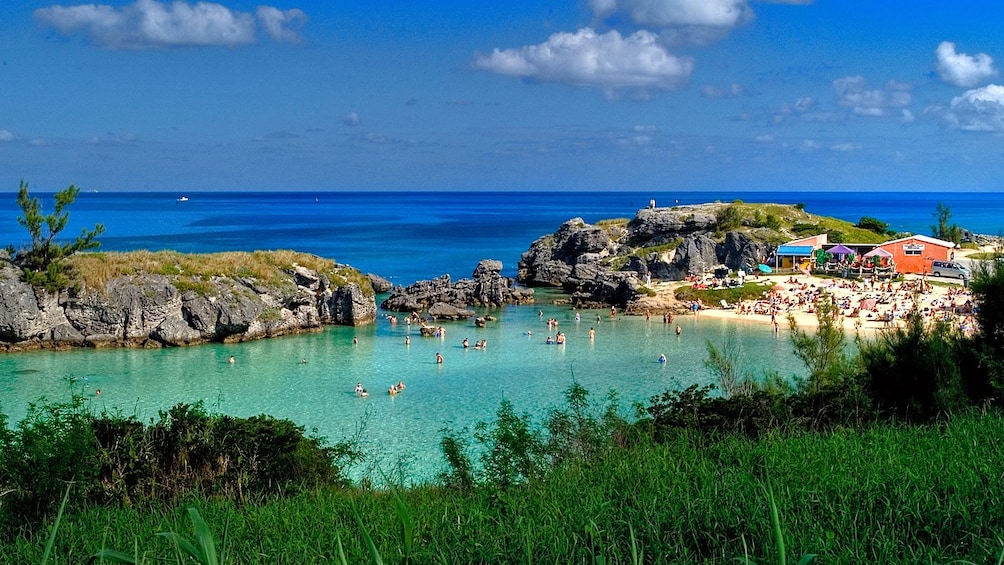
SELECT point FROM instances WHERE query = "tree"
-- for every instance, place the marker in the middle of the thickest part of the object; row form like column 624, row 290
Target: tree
column 873, row 224
column 944, row 230
column 988, row 294
column 823, row 353
column 43, row 263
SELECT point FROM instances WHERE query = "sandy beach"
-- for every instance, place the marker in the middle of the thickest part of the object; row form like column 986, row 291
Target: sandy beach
column 865, row 306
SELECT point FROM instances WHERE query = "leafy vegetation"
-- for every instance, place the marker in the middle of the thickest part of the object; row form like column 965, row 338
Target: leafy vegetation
column 196, row 271
column 43, row 262
column 942, row 229
column 121, row 461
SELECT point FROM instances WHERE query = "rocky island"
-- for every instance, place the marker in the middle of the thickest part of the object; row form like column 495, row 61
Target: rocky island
column 155, row 299
column 613, row 262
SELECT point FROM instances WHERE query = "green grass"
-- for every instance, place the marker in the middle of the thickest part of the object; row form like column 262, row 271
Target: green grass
column 889, row 494
column 714, row 296
column 194, row 271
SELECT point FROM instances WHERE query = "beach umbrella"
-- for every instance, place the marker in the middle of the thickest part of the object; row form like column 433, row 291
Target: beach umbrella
column 840, row 249
column 878, row 252
column 777, row 288
column 764, row 268
column 867, row 304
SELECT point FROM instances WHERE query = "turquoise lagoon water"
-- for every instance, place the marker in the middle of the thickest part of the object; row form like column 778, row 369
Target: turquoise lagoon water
column 407, row 237
column 398, row 434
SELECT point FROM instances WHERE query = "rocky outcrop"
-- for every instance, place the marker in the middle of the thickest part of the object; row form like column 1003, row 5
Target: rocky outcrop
column 448, row 300
column 149, row 310
column 596, row 268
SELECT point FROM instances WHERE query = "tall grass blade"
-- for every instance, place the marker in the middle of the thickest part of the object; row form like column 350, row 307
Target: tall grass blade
column 51, row 541
column 407, row 527
column 637, row 554
column 341, row 550
column 367, row 540
column 204, row 537
column 775, row 520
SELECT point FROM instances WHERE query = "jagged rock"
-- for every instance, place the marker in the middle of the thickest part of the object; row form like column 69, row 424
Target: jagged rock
column 147, row 310
column 487, row 288
column 583, row 259
column 662, row 225
column 379, row 283
column 349, row 305
column 443, row 311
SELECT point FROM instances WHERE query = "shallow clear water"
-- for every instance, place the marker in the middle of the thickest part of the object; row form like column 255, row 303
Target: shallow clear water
column 269, row 377
column 407, row 237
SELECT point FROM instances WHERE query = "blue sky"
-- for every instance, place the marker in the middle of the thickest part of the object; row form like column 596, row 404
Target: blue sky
column 526, row 95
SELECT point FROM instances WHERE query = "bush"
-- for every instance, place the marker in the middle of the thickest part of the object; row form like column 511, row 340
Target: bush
column 913, row 372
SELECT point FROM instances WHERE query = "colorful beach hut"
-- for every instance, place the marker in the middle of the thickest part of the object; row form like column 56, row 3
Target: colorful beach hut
column 914, row 254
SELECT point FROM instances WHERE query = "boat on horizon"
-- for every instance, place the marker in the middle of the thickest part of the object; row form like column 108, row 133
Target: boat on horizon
column 183, row 199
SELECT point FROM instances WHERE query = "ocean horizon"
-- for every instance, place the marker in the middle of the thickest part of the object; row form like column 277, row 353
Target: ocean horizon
column 409, row 236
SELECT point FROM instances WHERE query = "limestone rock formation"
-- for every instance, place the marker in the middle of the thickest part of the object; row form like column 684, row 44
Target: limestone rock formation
column 597, row 268
column 486, row 288
column 148, row 310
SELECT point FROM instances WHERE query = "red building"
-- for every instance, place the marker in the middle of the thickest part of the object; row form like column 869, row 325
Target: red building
column 913, row 254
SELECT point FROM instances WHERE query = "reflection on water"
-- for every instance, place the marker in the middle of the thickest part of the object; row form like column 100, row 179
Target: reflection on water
column 271, row 377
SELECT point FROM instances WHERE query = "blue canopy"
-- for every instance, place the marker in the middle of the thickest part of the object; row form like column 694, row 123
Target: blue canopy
column 796, row 250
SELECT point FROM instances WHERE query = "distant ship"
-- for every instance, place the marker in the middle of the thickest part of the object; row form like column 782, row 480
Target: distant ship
column 183, row 199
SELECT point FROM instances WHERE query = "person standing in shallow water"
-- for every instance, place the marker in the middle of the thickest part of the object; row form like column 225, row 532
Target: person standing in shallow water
column 439, row 359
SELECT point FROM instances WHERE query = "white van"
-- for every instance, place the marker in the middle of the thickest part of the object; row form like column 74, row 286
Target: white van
column 949, row 269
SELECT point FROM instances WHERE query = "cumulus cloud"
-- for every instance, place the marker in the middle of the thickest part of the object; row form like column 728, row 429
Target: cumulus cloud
column 854, row 93
column 845, row 147
column 151, row 24
column 6, row 135
column 351, row 119
column 731, row 91
column 961, row 69
column 674, row 13
column 980, row 109
column 586, row 58
column 281, row 25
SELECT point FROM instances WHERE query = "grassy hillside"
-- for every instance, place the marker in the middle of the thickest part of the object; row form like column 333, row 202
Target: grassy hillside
column 891, row 494
column 272, row 268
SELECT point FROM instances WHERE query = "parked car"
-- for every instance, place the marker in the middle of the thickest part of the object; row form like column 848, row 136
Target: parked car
column 950, row 269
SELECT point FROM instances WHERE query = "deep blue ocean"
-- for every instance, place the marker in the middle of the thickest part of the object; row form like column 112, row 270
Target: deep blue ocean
column 407, row 237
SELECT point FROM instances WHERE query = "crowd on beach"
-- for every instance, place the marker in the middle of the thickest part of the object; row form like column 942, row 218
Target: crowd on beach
column 863, row 304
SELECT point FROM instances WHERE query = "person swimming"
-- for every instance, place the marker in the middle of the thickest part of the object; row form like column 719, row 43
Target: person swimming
column 359, row 388
column 662, row 358
column 400, row 385
column 549, row 341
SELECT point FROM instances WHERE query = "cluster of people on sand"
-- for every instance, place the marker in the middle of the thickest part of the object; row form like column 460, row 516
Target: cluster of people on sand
column 882, row 302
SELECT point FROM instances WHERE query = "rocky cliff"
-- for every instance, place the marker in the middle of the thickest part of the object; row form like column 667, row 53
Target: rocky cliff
column 608, row 263
column 151, row 309
column 447, row 300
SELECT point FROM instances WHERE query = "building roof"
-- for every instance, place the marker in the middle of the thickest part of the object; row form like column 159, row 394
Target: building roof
column 925, row 239
column 798, row 250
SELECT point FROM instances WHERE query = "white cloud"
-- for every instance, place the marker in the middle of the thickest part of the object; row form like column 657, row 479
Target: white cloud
column 764, row 138
column 351, row 119
column 280, row 24
column 677, row 13
column 151, row 24
column 852, row 92
column 645, row 129
column 731, row 91
column 980, row 109
column 6, row 135
column 586, row 58
column 961, row 69
column 845, row 147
